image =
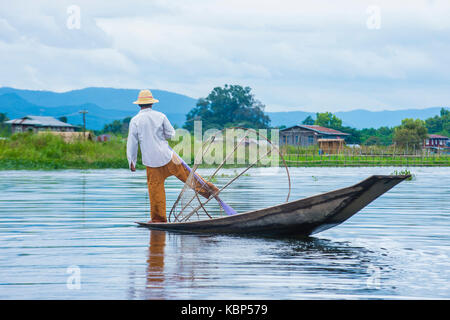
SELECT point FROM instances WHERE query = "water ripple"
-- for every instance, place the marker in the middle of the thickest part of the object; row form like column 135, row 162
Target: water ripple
column 396, row 248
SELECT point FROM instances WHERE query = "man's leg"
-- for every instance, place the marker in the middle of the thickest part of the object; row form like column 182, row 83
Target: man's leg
column 155, row 270
column 176, row 168
column 157, row 193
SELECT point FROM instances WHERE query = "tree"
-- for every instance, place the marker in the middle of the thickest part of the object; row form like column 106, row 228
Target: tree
column 380, row 136
column 354, row 136
column 329, row 120
column 4, row 128
column 439, row 124
column 308, row 120
column 63, row 119
column 373, row 140
column 3, row 117
column 231, row 105
column 117, row 126
column 410, row 133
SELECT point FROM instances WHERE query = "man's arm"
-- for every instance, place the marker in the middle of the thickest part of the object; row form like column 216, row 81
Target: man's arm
column 169, row 131
column 132, row 146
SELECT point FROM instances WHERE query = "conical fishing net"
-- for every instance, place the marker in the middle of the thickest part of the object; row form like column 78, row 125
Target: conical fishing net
column 239, row 148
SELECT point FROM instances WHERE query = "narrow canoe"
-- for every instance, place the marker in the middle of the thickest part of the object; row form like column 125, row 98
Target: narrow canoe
column 298, row 218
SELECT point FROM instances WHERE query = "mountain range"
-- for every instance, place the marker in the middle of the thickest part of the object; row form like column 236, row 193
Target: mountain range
column 359, row 118
column 105, row 105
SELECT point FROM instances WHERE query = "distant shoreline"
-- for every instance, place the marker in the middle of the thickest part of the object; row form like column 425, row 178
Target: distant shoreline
column 50, row 152
column 23, row 165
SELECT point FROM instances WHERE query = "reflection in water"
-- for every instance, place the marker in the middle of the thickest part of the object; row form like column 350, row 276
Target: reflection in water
column 50, row 220
column 321, row 266
column 155, row 270
column 333, row 267
column 177, row 261
column 330, row 257
column 83, row 196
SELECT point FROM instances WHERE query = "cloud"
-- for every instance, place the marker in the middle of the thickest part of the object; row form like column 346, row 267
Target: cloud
column 295, row 54
column 46, row 22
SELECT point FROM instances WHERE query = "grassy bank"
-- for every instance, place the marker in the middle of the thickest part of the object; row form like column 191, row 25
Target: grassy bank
column 342, row 160
column 46, row 152
column 363, row 157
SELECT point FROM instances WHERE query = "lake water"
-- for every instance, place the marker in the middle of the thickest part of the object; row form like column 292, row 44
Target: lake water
column 71, row 235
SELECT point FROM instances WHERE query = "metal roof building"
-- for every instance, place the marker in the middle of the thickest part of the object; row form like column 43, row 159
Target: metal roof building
column 305, row 135
column 39, row 123
column 437, row 142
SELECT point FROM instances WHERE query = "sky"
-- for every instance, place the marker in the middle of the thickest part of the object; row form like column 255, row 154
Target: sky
column 322, row 55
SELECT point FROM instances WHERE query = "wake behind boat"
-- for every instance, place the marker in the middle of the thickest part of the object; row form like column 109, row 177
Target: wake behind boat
column 298, row 218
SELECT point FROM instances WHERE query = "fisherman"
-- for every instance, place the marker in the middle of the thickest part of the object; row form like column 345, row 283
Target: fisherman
column 151, row 130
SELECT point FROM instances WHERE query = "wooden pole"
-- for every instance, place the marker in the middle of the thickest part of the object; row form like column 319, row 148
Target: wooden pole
column 83, row 112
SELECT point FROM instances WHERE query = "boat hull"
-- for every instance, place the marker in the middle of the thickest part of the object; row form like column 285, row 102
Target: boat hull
column 298, row 218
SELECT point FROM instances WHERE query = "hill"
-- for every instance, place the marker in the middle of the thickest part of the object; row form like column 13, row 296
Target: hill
column 104, row 104
column 15, row 107
column 358, row 119
column 108, row 104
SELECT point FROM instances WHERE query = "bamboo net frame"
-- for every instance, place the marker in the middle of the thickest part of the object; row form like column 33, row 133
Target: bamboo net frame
column 181, row 215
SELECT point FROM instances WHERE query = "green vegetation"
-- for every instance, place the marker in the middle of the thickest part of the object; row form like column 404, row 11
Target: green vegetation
column 439, row 124
column 327, row 119
column 308, row 121
column 371, row 137
column 117, row 127
column 5, row 129
column 410, row 133
column 230, row 106
column 236, row 106
column 344, row 160
column 365, row 156
column 47, row 151
column 403, row 172
column 63, row 119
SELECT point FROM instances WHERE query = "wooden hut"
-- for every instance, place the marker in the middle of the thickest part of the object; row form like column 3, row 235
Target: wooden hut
column 331, row 146
column 307, row 135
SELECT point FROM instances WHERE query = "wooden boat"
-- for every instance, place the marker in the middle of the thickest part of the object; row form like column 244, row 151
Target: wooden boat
column 299, row 218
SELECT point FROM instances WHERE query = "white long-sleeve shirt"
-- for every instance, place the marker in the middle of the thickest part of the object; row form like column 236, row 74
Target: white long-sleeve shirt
column 150, row 129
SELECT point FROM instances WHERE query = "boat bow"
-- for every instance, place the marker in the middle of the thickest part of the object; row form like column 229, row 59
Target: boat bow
column 301, row 217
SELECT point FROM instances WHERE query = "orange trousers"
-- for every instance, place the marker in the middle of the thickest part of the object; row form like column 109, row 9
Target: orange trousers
column 157, row 193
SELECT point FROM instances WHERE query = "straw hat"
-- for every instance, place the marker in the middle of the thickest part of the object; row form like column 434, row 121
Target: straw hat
column 145, row 97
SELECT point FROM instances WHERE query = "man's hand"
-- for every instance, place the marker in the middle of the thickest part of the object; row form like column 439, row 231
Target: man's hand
column 132, row 167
